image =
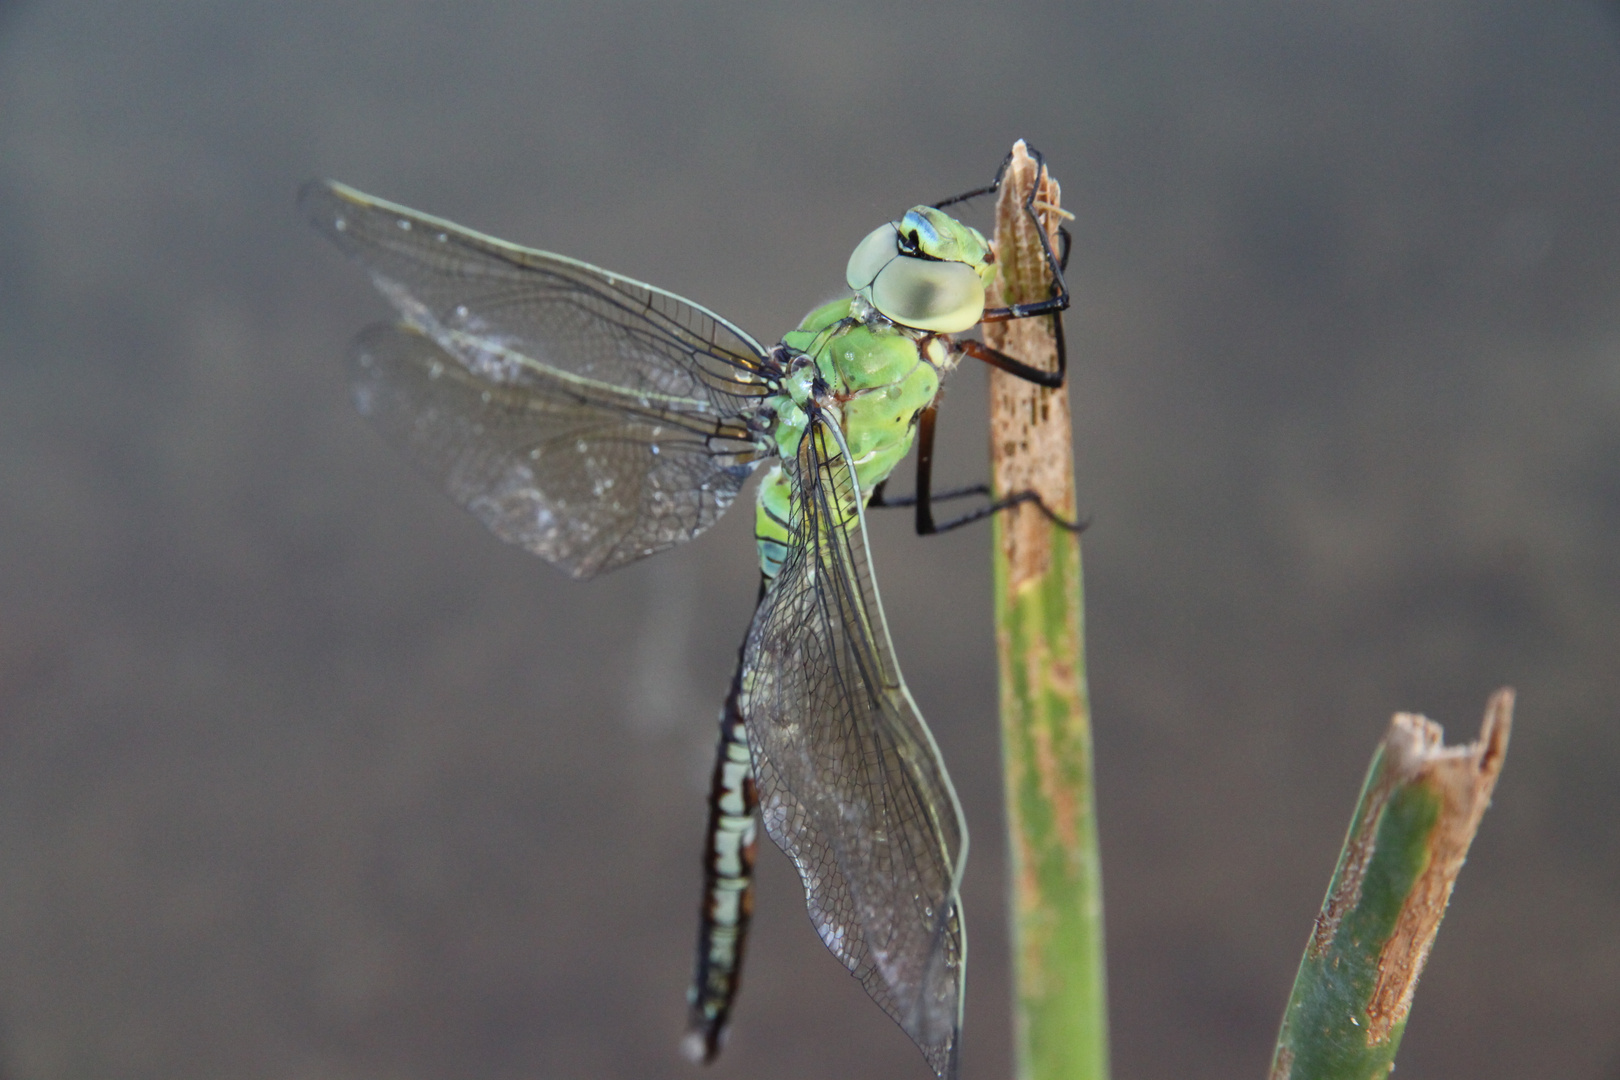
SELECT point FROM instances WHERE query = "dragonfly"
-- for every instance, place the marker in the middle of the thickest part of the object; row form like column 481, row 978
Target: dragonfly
column 594, row 420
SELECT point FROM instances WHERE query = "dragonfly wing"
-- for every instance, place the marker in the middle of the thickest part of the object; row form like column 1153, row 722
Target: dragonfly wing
column 584, row 478
column 519, row 314
column 851, row 785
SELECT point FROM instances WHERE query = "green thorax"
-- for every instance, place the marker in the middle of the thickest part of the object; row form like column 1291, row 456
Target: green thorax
column 873, row 360
column 874, row 376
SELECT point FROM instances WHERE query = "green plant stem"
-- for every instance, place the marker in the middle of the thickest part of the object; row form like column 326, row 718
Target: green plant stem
column 1060, row 1001
column 1418, row 812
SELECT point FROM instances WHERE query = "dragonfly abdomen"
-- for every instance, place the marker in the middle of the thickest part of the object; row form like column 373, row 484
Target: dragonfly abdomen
column 771, row 514
column 728, row 887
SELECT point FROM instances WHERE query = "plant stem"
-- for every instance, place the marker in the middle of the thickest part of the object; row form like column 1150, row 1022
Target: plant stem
column 1060, row 1003
column 1419, row 809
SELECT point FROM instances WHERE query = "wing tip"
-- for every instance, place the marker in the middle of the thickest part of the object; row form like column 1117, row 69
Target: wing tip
column 951, row 1067
column 321, row 201
column 312, row 191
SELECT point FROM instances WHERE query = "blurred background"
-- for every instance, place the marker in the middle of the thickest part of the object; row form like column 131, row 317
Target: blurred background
column 305, row 776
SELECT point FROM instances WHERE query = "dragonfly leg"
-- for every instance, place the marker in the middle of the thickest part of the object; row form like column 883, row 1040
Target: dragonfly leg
column 1053, row 306
column 881, row 500
column 989, row 189
column 924, row 497
column 1059, row 299
column 728, row 884
column 1017, row 368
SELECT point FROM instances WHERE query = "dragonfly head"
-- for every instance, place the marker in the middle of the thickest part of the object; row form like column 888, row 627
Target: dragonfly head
column 927, row 271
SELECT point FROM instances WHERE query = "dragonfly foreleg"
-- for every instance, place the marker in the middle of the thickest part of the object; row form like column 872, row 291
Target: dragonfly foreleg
column 989, row 189
column 1059, row 300
column 728, row 884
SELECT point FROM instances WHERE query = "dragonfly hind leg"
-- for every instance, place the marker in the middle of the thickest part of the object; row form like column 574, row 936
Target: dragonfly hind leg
column 728, row 884
column 925, row 497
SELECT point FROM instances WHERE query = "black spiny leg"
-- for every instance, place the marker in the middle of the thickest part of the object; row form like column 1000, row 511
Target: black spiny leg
column 1059, row 300
column 924, row 498
column 1054, row 306
column 1017, row 368
column 881, row 500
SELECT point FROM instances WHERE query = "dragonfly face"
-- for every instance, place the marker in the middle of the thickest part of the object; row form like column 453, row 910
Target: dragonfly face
column 926, row 271
column 594, row 420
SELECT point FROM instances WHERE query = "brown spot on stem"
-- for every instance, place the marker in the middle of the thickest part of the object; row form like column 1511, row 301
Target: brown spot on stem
column 1059, row 794
column 1358, row 853
column 1031, row 445
column 1463, row 777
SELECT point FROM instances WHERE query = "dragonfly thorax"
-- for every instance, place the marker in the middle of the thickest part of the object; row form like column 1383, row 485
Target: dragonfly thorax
column 872, row 377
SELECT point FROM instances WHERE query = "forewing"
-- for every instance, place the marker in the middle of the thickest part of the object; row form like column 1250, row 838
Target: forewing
column 515, row 314
column 851, row 785
column 584, row 479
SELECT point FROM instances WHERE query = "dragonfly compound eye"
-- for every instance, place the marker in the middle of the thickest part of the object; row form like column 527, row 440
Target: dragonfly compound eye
column 942, row 297
column 871, row 255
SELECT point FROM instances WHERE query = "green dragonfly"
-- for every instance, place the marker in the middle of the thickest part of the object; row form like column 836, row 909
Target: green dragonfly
column 595, row 420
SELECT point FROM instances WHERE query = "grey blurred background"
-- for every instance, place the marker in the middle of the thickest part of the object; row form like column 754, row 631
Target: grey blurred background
column 304, row 776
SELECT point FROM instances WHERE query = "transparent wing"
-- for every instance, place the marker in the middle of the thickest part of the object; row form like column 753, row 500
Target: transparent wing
column 851, row 784
column 583, row 477
column 516, row 314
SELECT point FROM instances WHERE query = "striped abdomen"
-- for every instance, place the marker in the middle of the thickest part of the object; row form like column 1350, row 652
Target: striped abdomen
column 728, row 887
